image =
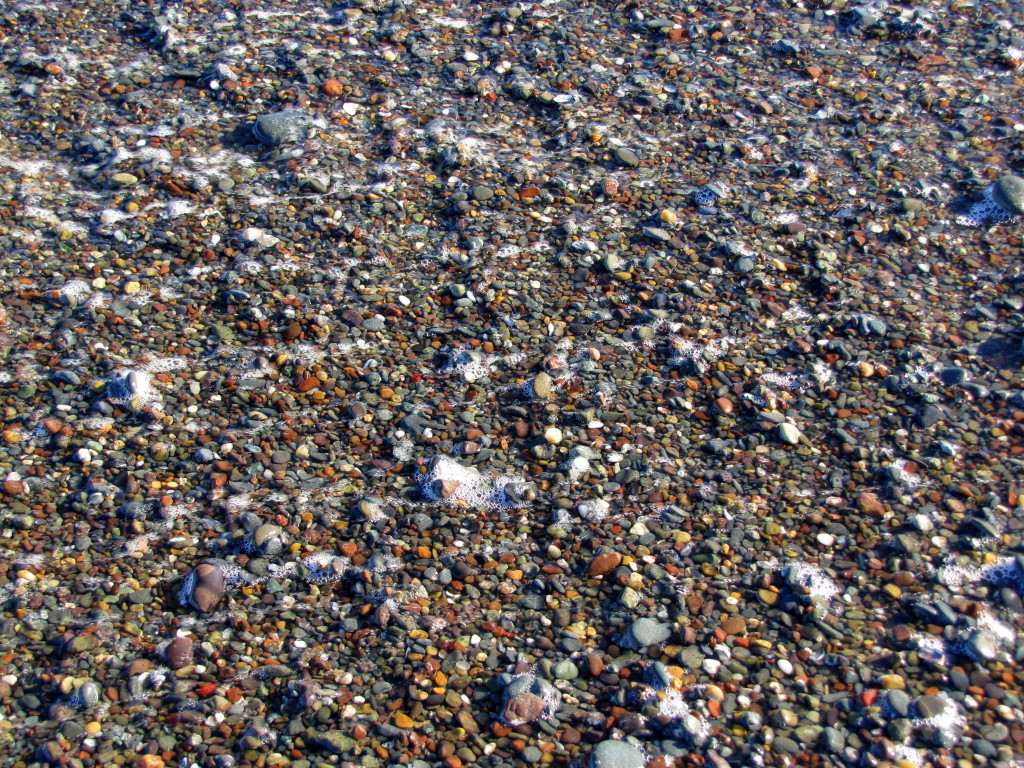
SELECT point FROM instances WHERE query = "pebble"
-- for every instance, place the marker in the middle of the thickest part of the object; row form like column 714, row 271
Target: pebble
column 208, row 587
column 789, row 433
column 627, row 157
column 553, row 435
column 566, row 670
column 541, row 386
column 179, row 652
column 604, row 563
column 645, row 632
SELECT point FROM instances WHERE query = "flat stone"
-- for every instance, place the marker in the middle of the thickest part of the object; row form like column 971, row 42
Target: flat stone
column 566, row 670
column 928, row 707
column 644, row 632
column 734, row 625
column 336, row 742
column 627, row 157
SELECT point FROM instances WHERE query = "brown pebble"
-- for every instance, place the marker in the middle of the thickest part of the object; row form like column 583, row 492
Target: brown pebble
column 734, row 625
column 605, row 563
column 179, row 652
column 571, row 736
column 207, row 588
column 902, row 633
column 332, row 87
column 870, row 504
column 903, row 578
column 954, row 505
column 448, row 488
column 595, row 664
column 724, row 405
column 524, row 708
column 467, row 722
column 138, row 667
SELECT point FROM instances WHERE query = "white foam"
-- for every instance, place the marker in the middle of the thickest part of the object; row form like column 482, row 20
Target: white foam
column 176, row 208
column 985, row 212
column 75, row 290
column 110, row 216
column 470, row 487
column 813, row 580
column 164, row 364
column 41, row 214
column 949, row 718
column 325, row 567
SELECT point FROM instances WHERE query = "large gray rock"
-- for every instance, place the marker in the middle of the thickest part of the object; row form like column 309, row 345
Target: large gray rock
column 617, row 754
column 1008, row 193
column 645, row 632
column 283, row 127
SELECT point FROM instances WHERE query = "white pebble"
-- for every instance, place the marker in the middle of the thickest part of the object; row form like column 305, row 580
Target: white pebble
column 553, row 435
column 789, row 433
column 826, row 539
column 83, row 455
column 711, row 666
column 785, row 667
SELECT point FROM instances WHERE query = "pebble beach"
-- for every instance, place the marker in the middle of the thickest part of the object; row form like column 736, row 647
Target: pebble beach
column 596, row 384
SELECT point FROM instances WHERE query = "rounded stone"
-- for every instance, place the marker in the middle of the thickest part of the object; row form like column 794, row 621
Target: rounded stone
column 644, row 632
column 179, row 652
column 524, row 708
column 617, row 754
column 604, row 563
column 542, row 386
column 627, row 157
column 789, row 433
column 268, row 539
column 566, row 670
column 1008, row 193
column 283, row 127
column 208, row 587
